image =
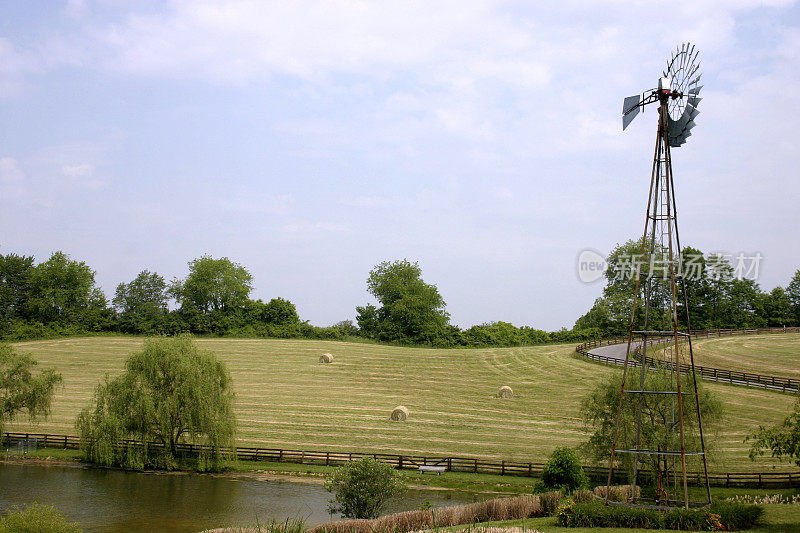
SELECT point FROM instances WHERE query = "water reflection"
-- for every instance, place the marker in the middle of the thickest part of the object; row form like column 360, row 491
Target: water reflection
column 115, row 501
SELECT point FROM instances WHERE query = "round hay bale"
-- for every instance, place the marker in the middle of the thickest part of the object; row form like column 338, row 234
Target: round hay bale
column 399, row 413
column 326, row 358
column 505, row 392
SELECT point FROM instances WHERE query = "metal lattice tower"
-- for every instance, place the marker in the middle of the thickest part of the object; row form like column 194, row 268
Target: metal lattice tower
column 659, row 385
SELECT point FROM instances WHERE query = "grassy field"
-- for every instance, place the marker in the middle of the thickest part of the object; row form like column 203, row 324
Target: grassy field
column 285, row 398
column 776, row 354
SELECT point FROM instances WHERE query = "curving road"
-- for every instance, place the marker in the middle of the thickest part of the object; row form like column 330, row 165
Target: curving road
column 615, row 354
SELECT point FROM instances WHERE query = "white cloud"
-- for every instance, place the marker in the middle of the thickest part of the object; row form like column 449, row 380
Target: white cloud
column 281, row 204
column 15, row 65
column 78, row 171
column 10, row 171
column 307, row 229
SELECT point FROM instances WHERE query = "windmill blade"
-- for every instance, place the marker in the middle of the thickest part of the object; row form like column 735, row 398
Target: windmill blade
column 630, row 108
column 696, row 90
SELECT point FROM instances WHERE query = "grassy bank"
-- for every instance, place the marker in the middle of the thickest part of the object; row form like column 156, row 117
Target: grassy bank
column 287, row 399
column 775, row 354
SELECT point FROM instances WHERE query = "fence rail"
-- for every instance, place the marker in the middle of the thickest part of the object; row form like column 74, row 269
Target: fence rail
column 710, row 373
column 453, row 464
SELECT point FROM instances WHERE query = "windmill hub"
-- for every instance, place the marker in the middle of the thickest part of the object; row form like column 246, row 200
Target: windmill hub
column 678, row 89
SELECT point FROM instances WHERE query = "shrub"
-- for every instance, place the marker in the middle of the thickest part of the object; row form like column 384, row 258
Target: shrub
column 721, row 516
column 737, row 515
column 37, row 518
column 563, row 471
column 362, row 488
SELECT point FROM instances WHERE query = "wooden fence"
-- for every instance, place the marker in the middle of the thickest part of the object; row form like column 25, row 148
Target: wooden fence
column 452, row 464
column 710, row 373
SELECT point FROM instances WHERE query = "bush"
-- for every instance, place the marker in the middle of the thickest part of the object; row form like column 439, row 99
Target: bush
column 722, row 516
column 737, row 515
column 563, row 471
column 362, row 488
column 37, row 518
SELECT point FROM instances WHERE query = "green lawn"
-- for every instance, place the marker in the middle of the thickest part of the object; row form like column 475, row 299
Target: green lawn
column 776, row 354
column 285, row 398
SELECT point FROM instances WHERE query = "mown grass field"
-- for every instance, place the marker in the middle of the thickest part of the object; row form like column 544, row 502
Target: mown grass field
column 287, row 399
column 776, row 354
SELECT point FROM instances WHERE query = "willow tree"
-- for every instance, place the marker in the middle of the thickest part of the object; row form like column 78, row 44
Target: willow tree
column 658, row 431
column 171, row 393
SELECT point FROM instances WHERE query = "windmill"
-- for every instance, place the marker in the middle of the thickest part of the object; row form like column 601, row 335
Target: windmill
column 659, row 386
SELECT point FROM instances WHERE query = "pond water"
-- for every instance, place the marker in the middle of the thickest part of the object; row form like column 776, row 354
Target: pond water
column 107, row 500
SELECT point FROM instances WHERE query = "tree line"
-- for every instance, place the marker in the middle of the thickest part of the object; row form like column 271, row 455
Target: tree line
column 60, row 296
column 717, row 295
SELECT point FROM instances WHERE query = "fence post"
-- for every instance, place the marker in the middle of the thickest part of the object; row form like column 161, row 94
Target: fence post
column 502, row 468
column 327, row 458
column 476, row 465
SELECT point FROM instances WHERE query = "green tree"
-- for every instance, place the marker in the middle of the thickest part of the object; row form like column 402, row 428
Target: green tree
column 717, row 291
column 15, row 280
column 411, row 310
column 782, row 441
column 362, row 488
column 777, row 308
column 743, row 308
column 563, row 471
column 695, row 280
column 142, row 303
column 20, row 389
column 612, row 312
column 213, row 285
column 599, row 413
column 793, row 293
column 170, row 393
column 280, row 312
column 63, row 291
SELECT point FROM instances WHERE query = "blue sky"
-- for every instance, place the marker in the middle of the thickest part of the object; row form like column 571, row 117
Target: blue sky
column 309, row 141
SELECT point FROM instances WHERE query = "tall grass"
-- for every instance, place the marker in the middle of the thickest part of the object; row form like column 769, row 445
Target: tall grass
column 286, row 526
column 519, row 507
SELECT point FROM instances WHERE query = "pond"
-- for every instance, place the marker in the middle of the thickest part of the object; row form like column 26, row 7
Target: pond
column 106, row 500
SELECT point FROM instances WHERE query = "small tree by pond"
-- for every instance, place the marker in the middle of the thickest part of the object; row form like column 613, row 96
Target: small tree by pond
column 362, row 488
column 170, row 393
column 563, row 470
column 20, row 389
